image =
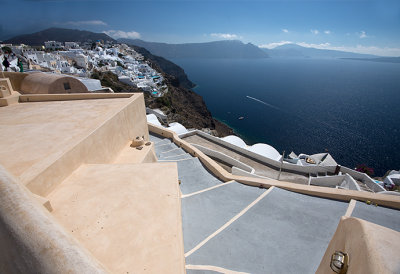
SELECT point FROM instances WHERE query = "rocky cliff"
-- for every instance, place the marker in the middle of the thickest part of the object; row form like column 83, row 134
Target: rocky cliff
column 180, row 103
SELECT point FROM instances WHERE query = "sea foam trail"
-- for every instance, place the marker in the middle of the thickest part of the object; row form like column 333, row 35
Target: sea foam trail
column 262, row 102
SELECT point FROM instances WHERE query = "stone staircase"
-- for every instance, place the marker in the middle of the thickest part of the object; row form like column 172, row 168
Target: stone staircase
column 231, row 227
column 235, row 227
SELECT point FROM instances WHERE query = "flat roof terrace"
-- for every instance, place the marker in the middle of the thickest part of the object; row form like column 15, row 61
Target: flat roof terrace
column 36, row 135
column 31, row 132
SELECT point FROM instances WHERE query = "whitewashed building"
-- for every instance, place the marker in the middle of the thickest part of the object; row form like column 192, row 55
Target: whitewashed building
column 53, row 45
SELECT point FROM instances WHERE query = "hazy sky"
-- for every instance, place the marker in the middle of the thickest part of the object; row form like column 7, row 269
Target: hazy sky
column 361, row 26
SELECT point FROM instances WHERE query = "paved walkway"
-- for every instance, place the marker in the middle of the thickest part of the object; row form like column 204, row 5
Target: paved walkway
column 234, row 227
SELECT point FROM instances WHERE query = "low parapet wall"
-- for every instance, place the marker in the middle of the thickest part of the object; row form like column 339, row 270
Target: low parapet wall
column 364, row 178
column 333, row 181
column 372, row 248
column 225, row 158
column 31, row 241
column 218, row 171
column 16, row 78
column 69, row 97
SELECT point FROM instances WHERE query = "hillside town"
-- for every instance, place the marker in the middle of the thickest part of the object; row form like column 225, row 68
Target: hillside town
column 80, row 60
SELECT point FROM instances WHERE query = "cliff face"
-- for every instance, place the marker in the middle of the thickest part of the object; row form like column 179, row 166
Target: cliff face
column 166, row 66
column 180, row 103
column 186, row 107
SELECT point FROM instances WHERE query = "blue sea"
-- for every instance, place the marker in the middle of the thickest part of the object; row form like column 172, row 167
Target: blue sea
column 346, row 107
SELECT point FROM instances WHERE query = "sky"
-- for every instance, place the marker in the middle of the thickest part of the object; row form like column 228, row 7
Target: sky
column 363, row 26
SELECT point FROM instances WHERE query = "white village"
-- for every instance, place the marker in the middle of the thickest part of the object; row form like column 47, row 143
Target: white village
column 80, row 60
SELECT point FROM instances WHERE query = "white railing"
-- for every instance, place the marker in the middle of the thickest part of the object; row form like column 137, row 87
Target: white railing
column 224, row 158
column 276, row 164
column 364, row 178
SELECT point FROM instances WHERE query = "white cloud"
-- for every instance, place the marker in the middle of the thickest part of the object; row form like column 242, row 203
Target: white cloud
column 363, row 35
column 317, row 46
column 327, row 32
column 385, row 51
column 275, row 44
column 314, row 31
column 228, row 36
column 90, row 22
column 122, row 34
column 285, row 30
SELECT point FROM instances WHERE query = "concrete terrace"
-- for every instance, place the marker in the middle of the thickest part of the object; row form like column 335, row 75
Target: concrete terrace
column 36, row 131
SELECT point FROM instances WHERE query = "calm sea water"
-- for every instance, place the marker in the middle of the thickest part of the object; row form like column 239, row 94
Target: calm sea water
column 350, row 108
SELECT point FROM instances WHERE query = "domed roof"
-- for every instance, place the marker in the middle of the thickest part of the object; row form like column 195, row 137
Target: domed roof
column 48, row 83
column 234, row 140
column 266, row 151
column 152, row 119
column 177, row 128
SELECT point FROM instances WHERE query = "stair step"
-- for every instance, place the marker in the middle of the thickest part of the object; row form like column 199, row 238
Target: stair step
column 155, row 138
column 164, row 148
column 176, row 158
column 162, row 142
column 174, row 152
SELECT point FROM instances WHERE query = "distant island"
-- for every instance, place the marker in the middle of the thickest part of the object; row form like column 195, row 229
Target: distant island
column 379, row 59
column 296, row 51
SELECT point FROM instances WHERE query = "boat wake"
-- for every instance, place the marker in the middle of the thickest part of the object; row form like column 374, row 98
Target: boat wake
column 262, row 102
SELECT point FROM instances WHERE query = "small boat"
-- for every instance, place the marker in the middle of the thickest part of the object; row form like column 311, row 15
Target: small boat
column 241, row 118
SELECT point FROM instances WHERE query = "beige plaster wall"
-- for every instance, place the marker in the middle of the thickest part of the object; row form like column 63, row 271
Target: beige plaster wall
column 372, row 248
column 30, row 240
column 331, row 193
column 16, row 78
column 102, row 145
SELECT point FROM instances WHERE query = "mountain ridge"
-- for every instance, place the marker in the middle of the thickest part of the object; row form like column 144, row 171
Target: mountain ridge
column 58, row 34
column 297, row 51
column 216, row 49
